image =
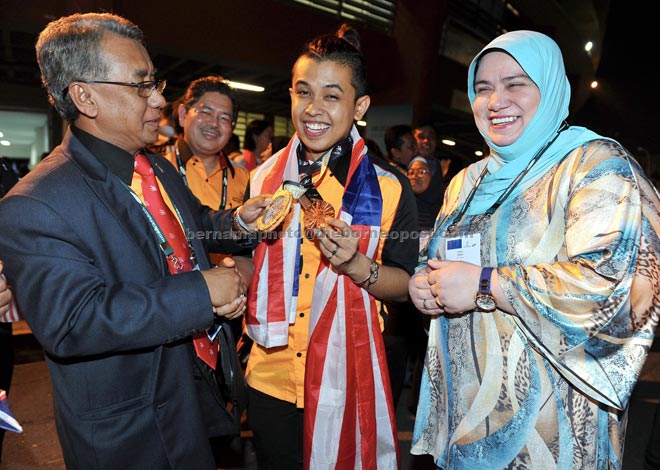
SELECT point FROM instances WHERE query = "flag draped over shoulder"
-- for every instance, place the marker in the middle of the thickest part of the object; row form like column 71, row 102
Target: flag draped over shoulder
column 349, row 416
column 7, row 420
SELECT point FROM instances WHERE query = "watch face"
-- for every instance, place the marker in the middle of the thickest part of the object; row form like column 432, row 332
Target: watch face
column 485, row 302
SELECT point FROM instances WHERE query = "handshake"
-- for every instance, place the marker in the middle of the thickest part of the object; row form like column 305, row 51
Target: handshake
column 227, row 288
column 229, row 282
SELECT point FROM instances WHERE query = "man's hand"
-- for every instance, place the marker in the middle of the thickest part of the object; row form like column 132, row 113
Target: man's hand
column 5, row 293
column 232, row 310
column 227, row 291
column 251, row 209
column 339, row 244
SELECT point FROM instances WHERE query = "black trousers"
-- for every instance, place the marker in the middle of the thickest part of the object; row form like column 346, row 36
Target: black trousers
column 405, row 341
column 277, row 426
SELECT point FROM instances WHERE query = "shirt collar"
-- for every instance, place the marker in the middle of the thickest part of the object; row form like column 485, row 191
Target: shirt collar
column 118, row 161
column 186, row 154
column 184, row 150
column 340, row 158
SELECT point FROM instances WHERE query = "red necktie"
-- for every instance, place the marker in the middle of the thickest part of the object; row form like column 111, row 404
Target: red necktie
column 179, row 261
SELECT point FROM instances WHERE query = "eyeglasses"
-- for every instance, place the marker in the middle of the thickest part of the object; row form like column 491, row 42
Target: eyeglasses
column 207, row 114
column 418, row 172
column 144, row 89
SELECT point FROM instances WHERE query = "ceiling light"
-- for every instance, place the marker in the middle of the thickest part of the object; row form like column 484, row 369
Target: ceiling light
column 361, row 123
column 6, row 143
column 244, row 86
column 1, row 134
column 594, row 84
column 588, row 46
column 512, row 9
column 478, row 153
column 451, row 143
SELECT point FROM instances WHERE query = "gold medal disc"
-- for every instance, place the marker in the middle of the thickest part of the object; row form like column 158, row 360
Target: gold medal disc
column 316, row 213
column 274, row 214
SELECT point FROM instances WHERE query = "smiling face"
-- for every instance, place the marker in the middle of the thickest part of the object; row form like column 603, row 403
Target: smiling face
column 506, row 98
column 207, row 124
column 323, row 104
column 426, row 140
column 118, row 115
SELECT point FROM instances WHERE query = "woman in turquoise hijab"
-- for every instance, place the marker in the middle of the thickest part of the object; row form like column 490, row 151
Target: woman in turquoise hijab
column 542, row 277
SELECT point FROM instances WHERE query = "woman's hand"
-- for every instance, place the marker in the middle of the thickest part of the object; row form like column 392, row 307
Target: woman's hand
column 421, row 295
column 454, row 284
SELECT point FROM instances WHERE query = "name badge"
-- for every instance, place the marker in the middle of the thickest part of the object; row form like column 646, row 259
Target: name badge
column 464, row 248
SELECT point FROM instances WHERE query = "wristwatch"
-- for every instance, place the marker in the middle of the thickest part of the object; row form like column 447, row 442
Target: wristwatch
column 484, row 299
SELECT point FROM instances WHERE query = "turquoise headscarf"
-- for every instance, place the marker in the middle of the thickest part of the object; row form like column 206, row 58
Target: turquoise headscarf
column 540, row 57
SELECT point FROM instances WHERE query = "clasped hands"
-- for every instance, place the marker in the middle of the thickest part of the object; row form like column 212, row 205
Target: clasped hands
column 227, row 289
column 445, row 287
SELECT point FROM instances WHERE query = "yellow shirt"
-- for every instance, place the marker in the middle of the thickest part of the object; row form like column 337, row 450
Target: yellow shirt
column 280, row 371
column 210, row 188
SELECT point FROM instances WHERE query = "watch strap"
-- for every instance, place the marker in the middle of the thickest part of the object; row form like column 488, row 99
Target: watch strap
column 484, row 281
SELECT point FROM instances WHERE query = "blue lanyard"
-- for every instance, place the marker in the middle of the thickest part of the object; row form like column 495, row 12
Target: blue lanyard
column 509, row 189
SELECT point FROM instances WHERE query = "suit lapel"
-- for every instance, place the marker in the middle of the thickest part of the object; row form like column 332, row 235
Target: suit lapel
column 117, row 200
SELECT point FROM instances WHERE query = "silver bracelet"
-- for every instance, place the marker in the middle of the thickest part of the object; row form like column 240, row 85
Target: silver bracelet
column 241, row 223
column 374, row 268
column 373, row 273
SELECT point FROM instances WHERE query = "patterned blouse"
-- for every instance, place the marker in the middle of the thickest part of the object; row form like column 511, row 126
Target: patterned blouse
column 578, row 257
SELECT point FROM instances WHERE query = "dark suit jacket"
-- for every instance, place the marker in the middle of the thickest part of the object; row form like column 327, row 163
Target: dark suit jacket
column 96, row 291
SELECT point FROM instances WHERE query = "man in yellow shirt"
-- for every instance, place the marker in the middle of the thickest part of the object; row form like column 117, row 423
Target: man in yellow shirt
column 207, row 115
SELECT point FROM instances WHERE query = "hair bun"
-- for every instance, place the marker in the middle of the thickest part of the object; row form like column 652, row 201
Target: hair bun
column 350, row 35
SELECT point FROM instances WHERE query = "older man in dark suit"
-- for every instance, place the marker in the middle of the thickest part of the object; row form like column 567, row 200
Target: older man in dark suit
column 93, row 267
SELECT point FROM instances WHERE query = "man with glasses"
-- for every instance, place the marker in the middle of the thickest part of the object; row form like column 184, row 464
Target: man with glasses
column 108, row 270
column 208, row 114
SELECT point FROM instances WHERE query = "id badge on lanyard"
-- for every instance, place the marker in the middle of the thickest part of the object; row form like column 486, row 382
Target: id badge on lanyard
column 465, row 247
column 458, row 245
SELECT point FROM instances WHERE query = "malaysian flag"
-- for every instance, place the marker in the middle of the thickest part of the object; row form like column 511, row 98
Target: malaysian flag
column 7, row 420
column 347, row 390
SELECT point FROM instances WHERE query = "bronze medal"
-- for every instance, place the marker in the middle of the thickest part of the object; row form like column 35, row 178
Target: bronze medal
column 273, row 215
column 315, row 214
